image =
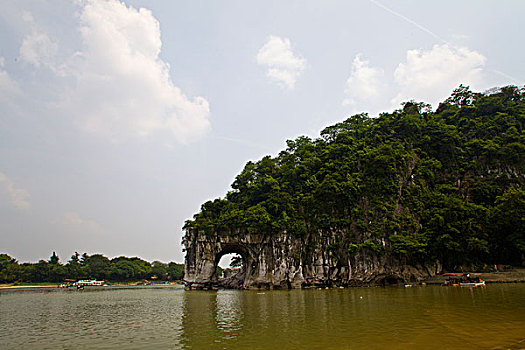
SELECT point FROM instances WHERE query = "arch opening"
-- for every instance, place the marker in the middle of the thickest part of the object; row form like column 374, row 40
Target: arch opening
column 230, row 267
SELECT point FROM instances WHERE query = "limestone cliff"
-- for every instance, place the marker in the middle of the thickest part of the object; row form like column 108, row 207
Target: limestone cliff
column 283, row 261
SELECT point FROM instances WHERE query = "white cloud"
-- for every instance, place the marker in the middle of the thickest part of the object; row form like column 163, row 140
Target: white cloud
column 27, row 17
column 123, row 88
column 116, row 85
column 284, row 66
column 431, row 75
column 73, row 221
column 364, row 83
column 19, row 197
column 7, row 85
column 38, row 49
column 9, row 92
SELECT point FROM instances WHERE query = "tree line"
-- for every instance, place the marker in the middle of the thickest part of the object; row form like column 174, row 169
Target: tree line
column 417, row 184
column 85, row 266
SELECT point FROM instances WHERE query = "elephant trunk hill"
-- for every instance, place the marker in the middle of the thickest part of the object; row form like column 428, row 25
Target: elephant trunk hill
column 396, row 198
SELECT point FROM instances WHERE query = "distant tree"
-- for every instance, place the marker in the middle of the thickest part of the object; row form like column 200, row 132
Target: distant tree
column 75, row 259
column 28, row 272
column 123, row 270
column 98, row 266
column 82, row 267
column 84, row 259
column 41, row 272
column 175, row 271
column 142, row 267
column 54, row 260
column 416, row 108
column 57, row 273
column 134, row 268
column 512, row 93
column 75, row 268
column 236, row 261
column 507, row 221
column 462, row 96
column 10, row 271
column 160, row 270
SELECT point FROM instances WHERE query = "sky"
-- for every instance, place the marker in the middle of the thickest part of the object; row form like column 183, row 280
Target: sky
column 118, row 119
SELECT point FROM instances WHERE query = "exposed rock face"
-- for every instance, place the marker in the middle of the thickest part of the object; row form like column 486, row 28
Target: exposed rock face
column 284, row 261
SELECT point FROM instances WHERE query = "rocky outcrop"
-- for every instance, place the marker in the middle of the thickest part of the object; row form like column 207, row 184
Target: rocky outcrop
column 282, row 261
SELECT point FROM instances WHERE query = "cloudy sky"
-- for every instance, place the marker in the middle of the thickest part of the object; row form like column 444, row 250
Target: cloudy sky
column 119, row 119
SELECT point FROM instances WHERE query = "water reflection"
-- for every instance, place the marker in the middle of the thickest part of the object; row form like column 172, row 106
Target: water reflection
column 229, row 313
column 134, row 319
column 395, row 318
column 360, row 318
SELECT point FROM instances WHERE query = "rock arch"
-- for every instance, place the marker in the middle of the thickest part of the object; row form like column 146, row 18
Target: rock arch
column 264, row 262
column 282, row 260
column 236, row 280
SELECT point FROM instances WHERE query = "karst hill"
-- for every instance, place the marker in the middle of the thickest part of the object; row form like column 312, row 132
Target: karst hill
column 399, row 197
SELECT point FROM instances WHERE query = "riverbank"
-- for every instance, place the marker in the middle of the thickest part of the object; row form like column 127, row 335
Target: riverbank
column 56, row 286
column 516, row 275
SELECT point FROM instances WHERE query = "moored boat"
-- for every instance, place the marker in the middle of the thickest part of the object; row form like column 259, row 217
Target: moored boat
column 463, row 280
column 84, row 283
column 472, row 284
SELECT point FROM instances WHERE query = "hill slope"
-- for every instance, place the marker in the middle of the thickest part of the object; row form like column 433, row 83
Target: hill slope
column 413, row 185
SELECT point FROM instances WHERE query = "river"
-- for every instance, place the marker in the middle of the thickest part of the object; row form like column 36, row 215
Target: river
column 419, row 317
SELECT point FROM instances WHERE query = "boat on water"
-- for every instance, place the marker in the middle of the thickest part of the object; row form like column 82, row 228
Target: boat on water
column 80, row 284
column 463, row 280
column 472, row 284
column 89, row 283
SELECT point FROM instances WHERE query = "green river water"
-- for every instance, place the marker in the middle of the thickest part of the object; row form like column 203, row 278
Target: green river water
column 422, row 317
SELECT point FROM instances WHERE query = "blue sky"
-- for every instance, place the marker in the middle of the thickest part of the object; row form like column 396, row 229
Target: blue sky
column 119, row 119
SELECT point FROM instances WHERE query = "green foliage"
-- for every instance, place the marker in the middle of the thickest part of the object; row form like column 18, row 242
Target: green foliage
column 53, row 260
column 236, row 261
column 159, row 269
column 414, row 183
column 9, row 269
column 96, row 266
column 507, row 226
column 372, row 246
column 219, row 271
column 99, row 266
column 175, row 271
column 462, row 96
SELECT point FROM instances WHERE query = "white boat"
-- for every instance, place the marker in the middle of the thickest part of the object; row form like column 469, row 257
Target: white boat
column 83, row 283
column 463, row 280
column 472, row 284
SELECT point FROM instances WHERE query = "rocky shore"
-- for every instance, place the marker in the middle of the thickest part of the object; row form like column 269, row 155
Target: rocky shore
column 516, row 275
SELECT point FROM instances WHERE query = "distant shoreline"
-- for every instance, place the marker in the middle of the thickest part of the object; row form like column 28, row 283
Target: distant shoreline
column 55, row 287
column 511, row 276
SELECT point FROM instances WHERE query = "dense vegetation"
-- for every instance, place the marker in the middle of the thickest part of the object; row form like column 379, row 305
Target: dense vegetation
column 417, row 184
column 83, row 266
